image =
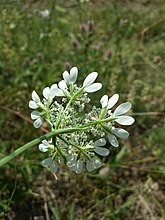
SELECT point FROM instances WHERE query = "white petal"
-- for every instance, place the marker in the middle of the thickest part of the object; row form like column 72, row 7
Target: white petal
column 53, row 90
column 113, row 100
column 125, row 120
column 101, row 151
column 104, row 101
column 33, row 105
column 122, row 109
column 38, row 122
column 93, row 88
column 121, row 133
column 90, row 167
column 43, row 148
column 73, row 74
column 47, row 162
column 113, row 140
column 66, row 77
column 35, row 115
column 59, row 92
column 100, row 142
column 35, row 97
column 53, row 167
column 45, row 142
column 96, row 163
column 71, row 161
column 93, row 164
column 54, row 86
column 79, row 166
column 62, row 85
column 52, row 95
column 46, row 93
column 90, row 79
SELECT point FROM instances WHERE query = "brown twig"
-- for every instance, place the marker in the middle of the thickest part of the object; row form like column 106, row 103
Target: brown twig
column 24, row 117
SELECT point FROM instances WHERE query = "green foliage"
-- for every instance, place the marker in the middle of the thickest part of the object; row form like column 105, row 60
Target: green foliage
column 124, row 42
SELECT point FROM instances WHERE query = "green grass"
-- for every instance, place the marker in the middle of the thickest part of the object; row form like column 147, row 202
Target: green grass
column 34, row 53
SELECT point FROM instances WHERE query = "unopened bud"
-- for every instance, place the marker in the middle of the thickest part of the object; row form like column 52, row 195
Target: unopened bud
column 90, row 25
column 83, row 27
column 67, row 66
column 74, row 43
column 108, row 54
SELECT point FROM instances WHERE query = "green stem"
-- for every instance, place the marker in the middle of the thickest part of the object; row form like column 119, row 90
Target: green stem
column 38, row 140
column 69, row 143
column 49, row 135
column 24, row 147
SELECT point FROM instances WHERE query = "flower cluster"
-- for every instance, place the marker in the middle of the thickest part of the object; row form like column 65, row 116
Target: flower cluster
column 78, row 139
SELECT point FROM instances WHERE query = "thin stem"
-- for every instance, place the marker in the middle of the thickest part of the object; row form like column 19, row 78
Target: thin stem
column 68, row 142
column 38, row 140
column 25, row 147
column 147, row 113
column 67, row 106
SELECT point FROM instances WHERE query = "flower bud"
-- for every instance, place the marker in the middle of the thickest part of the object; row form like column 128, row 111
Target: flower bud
column 83, row 27
column 67, row 66
column 90, row 24
column 74, row 42
column 108, row 54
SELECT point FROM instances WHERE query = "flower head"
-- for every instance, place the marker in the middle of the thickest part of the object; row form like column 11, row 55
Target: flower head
column 70, row 128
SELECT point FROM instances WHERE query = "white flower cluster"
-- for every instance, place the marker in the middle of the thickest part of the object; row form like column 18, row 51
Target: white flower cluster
column 71, row 145
column 119, row 118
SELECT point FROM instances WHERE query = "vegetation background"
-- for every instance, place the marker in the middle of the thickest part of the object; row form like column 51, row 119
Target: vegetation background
column 124, row 42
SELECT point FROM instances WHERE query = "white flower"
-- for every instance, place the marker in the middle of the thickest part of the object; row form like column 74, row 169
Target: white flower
column 120, row 110
column 100, row 150
column 123, row 120
column 93, row 164
column 50, row 93
column 120, row 119
column 35, row 115
column 119, row 132
column 45, row 145
column 74, row 164
column 72, row 77
column 48, row 162
column 45, row 13
column 35, row 102
column 109, row 103
column 88, row 84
